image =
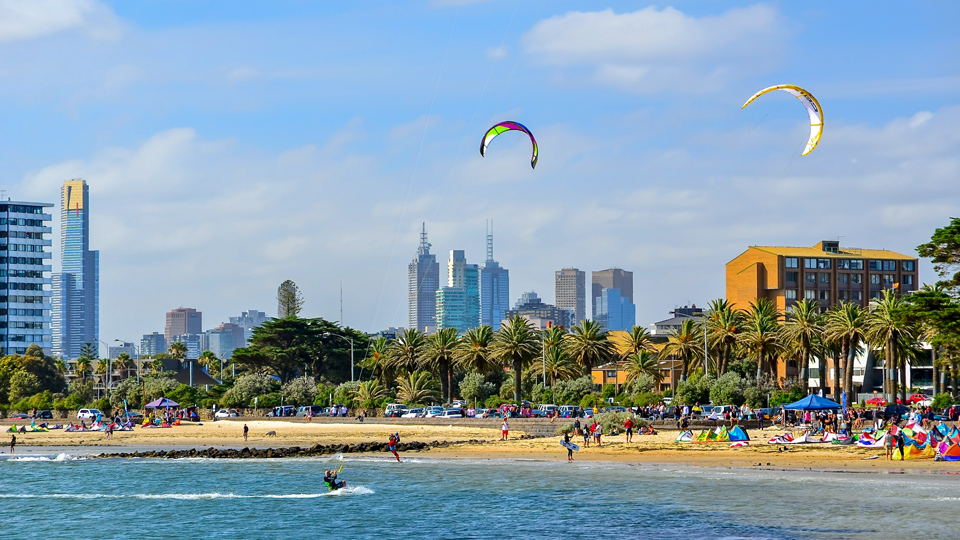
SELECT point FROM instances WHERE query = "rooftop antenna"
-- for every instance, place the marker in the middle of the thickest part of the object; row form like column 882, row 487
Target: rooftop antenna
column 424, row 245
column 490, row 240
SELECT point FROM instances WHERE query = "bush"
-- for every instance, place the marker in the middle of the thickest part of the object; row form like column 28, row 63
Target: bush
column 23, row 384
column 128, row 390
column 493, row 402
column 474, row 388
column 248, row 386
column 609, row 391
column 590, row 401
column 301, row 391
column 345, row 392
column 267, row 401
column 565, row 428
column 728, row 390
column 568, row 392
column 184, row 394
column 942, row 401
column 103, row 404
column 694, row 390
column 158, row 385
column 645, row 399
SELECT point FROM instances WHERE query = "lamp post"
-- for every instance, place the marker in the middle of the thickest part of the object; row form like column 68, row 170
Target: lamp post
column 137, row 359
column 109, row 366
column 328, row 334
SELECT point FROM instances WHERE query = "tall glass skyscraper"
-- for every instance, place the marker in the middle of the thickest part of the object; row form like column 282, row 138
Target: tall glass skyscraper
column 76, row 288
column 423, row 280
column 24, row 299
column 494, row 288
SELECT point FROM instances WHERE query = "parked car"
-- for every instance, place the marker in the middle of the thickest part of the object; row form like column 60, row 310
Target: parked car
column 415, row 412
column 548, row 408
column 919, row 398
column 569, row 411
column 538, row 413
column 395, row 410
column 19, row 416
column 312, row 410
column 45, row 415
column 615, row 408
column 896, row 412
column 878, row 401
column 135, row 416
column 433, row 411
column 88, row 414
column 227, row 413
column 451, row 413
column 458, row 404
column 286, row 410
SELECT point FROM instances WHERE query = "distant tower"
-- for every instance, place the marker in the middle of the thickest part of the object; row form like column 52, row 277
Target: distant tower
column 571, row 292
column 423, row 280
column 494, row 287
column 458, row 304
column 76, row 288
column 611, row 278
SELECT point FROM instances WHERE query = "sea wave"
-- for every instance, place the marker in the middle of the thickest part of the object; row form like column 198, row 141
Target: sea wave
column 58, row 458
column 355, row 490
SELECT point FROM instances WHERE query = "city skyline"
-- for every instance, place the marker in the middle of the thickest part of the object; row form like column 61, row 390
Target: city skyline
column 314, row 150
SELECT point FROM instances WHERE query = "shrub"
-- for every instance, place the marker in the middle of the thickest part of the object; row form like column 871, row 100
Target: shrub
column 493, row 402
column 128, row 390
column 345, row 392
column 565, row 428
column 647, row 398
column 567, row 392
column 301, row 391
column 248, row 386
column 728, row 390
column 590, row 401
column 694, row 390
column 103, row 404
column 474, row 388
column 942, row 401
column 609, row 391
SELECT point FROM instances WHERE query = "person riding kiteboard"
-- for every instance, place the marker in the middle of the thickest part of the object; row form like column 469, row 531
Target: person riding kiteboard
column 392, row 444
column 330, row 477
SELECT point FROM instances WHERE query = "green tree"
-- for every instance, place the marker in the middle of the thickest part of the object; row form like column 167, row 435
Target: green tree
column 803, row 328
column 300, row 391
column 572, row 392
column 474, row 388
column 248, row 386
column 418, row 388
column 377, row 358
column 590, row 345
column 637, row 340
column 473, row 355
column 728, row 389
column 887, row 327
column 760, row 335
column 407, row 351
column 944, row 249
column 438, row 355
column 559, row 366
column 369, row 394
column 515, row 344
column 289, row 300
column 683, row 343
column 23, row 384
column 178, row 350
column 644, row 364
column 723, row 327
column 846, row 323
column 158, row 385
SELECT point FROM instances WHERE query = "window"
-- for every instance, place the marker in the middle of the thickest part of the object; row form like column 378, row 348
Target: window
column 790, row 262
column 856, row 296
column 876, row 265
column 856, row 264
column 843, row 278
column 856, row 278
column 825, row 295
column 792, row 276
column 791, row 294
column 810, row 277
column 887, row 280
column 809, row 263
column 823, row 264
column 810, row 295
column 889, row 266
column 908, row 266
column 824, row 277
column 874, row 294
column 908, row 280
column 874, row 279
column 843, row 264
column 843, row 296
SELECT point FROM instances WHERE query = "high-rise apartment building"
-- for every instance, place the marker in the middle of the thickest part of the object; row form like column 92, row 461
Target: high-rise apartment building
column 532, row 308
column 458, row 304
column 76, row 288
column 223, row 339
column 25, row 308
column 423, row 280
column 194, row 343
column 182, row 321
column 825, row 272
column 494, row 289
column 124, row 347
column 571, row 292
column 153, row 344
column 612, row 278
column 248, row 320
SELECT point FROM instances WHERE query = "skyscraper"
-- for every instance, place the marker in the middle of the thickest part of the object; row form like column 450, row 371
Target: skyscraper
column 612, row 278
column 571, row 292
column 614, row 311
column 181, row 321
column 24, row 301
column 152, row 344
column 423, row 280
column 494, row 288
column 76, row 288
column 466, row 276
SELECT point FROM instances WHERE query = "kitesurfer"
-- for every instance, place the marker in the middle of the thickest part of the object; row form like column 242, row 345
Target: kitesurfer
column 392, row 443
column 330, row 478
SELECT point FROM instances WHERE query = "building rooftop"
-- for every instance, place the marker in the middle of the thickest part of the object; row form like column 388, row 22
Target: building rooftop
column 840, row 253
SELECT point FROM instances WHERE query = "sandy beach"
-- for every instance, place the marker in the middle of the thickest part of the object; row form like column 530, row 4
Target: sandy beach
column 483, row 442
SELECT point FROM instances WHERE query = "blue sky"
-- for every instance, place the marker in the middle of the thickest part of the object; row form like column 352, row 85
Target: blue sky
column 232, row 145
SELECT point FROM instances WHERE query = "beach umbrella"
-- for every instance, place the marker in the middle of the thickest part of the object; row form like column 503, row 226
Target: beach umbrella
column 161, row 403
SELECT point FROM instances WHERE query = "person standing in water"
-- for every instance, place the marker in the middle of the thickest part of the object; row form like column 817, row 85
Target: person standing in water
column 13, row 442
column 392, row 444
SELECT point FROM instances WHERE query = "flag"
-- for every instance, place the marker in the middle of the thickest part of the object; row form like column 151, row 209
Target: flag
column 843, row 401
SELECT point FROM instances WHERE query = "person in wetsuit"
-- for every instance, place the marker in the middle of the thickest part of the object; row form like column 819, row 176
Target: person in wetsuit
column 392, row 444
column 330, row 478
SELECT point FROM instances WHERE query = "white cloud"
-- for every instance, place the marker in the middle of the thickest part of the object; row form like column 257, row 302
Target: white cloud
column 28, row 19
column 657, row 50
column 497, row 53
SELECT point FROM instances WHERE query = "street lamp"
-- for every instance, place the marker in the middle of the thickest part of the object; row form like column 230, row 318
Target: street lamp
column 109, row 365
column 137, row 360
column 328, row 334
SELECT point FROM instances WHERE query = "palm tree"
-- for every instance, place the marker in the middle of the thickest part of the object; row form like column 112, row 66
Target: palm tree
column 846, row 323
column 378, row 359
column 886, row 327
column 590, row 345
column 474, row 352
column 439, row 354
column 723, row 324
column 405, row 353
column 156, row 365
column 178, row 350
column 207, row 359
column 417, row 388
column 368, row 393
column 761, row 333
column 515, row 344
column 683, row 342
column 637, row 339
column 558, row 365
column 644, row 363
column 803, row 328
column 102, row 366
column 61, row 366
column 83, row 366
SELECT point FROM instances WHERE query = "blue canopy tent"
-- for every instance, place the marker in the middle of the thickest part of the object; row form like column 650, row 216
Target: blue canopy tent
column 813, row 402
column 162, row 403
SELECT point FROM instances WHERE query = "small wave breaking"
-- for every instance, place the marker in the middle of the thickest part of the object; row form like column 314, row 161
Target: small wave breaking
column 347, row 491
column 58, row 458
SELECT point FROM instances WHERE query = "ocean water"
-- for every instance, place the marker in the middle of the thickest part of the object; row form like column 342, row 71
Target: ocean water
column 67, row 496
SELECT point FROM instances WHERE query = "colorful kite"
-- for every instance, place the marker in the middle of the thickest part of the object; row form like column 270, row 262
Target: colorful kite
column 813, row 109
column 509, row 126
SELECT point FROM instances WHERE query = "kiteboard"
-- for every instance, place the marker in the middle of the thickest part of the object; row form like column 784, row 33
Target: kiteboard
column 570, row 445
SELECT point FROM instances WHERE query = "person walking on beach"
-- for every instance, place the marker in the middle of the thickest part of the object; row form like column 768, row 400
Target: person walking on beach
column 504, row 430
column 628, row 427
column 566, row 444
column 246, row 431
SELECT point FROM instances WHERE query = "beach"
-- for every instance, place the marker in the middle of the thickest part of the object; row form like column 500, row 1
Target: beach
column 466, row 441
